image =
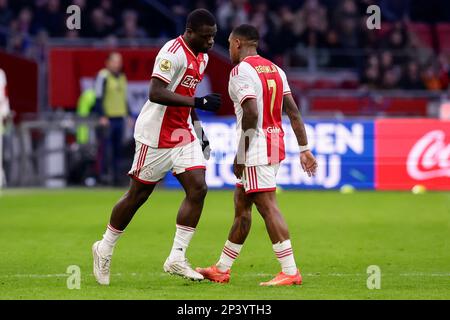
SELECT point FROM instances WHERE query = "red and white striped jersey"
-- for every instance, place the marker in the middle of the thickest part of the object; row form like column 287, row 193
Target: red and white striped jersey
column 259, row 78
column 161, row 126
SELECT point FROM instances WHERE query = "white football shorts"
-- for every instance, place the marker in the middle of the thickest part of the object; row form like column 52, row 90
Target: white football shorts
column 150, row 165
column 259, row 178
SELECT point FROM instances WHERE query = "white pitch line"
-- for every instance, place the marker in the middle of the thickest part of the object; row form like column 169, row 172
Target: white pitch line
column 423, row 274
column 35, row 275
column 64, row 275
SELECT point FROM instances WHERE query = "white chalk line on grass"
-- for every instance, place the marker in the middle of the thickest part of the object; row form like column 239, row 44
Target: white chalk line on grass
column 65, row 275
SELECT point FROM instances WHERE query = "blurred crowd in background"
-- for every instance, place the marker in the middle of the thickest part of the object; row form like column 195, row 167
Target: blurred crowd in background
column 411, row 51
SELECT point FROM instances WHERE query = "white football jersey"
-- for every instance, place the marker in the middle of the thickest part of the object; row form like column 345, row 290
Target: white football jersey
column 4, row 102
column 160, row 126
column 260, row 79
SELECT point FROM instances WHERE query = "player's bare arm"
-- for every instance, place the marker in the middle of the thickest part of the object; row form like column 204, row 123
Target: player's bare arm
column 307, row 160
column 159, row 93
column 249, row 124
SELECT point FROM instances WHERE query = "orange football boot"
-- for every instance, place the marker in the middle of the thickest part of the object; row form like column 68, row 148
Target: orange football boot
column 214, row 274
column 283, row 279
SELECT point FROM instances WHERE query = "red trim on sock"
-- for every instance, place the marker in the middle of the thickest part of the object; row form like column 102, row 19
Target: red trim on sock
column 185, row 228
column 111, row 228
column 285, row 255
column 230, row 253
column 231, row 250
column 227, row 254
column 282, row 251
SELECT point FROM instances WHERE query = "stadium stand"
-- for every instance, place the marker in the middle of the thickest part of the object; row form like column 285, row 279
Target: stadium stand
column 410, row 52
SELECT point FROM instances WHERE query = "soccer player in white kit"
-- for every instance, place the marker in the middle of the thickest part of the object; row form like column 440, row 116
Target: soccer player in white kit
column 259, row 90
column 165, row 141
column 4, row 113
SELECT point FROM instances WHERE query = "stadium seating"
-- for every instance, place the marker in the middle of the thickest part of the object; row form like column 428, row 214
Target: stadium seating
column 424, row 32
column 443, row 35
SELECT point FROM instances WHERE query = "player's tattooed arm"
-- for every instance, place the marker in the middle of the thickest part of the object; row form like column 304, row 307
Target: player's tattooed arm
column 249, row 124
column 307, row 159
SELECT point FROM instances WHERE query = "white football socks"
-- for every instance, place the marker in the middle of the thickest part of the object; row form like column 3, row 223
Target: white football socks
column 109, row 240
column 181, row 241
column 285, row 256
column 229, row 253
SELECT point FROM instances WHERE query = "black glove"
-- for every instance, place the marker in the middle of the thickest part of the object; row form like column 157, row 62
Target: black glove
column 210, row 102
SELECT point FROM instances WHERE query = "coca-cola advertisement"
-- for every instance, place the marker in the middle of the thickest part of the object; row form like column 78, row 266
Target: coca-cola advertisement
column 412, row 152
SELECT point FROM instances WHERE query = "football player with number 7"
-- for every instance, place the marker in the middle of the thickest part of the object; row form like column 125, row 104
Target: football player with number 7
column 260, row 91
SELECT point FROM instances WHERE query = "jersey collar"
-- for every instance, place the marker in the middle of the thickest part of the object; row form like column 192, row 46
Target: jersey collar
column 253, row 56
column 187, row 47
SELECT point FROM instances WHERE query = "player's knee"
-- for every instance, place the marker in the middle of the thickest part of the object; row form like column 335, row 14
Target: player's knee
column 203, row 190
column 198, row 192
column 138, row 197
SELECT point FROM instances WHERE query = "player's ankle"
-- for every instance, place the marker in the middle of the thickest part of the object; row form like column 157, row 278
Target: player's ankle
column 105, row 248
column 222, row 268
column 290, row 271
column 177, row 255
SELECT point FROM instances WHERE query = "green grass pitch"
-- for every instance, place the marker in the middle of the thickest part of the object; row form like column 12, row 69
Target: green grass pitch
column 335, row 238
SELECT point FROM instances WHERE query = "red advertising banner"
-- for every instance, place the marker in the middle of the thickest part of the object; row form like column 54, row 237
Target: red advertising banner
column 69, row 66
column 411, row 152
column 22, row 79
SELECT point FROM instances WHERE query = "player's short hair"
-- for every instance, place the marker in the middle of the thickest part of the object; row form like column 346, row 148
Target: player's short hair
column 246, row 31
column 199, row 18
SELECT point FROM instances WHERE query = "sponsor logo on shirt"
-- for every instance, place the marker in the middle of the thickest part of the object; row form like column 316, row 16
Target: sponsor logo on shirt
column 273, row 130
column 190, row 82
